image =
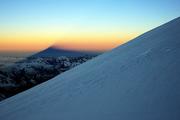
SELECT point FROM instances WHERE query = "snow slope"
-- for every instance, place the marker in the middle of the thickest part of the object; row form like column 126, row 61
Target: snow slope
column 56, row 52
column 139, row 80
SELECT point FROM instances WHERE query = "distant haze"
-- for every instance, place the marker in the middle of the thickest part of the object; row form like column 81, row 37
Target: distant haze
column 15, row 54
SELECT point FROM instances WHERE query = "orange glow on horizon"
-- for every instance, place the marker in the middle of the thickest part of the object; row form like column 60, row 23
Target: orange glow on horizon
column 85, row 42
column 21, row 45
column 89, row 45
column 94, row 42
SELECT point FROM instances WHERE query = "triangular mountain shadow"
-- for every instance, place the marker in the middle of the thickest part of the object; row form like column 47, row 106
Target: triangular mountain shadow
column 58, row 52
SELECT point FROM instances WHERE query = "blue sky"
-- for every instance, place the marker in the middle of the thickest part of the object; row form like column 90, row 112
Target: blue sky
column 66, row 17
column 82, row 11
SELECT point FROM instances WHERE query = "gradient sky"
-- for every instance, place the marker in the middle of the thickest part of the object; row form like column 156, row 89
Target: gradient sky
column 33, row 25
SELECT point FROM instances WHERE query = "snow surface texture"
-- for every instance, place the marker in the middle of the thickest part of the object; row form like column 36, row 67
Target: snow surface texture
column 139, row 80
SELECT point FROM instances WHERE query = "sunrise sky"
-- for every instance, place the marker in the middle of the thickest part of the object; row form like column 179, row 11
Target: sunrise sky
column 98, row 25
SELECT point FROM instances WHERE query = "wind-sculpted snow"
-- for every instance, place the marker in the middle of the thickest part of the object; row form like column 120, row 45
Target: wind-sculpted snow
column 136, row 81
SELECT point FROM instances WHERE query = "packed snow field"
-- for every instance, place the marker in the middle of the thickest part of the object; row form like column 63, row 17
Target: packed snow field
column 19, row 76
column 136, row 81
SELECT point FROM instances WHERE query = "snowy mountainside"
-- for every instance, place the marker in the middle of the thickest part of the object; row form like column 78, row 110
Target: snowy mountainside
column 136, row 81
